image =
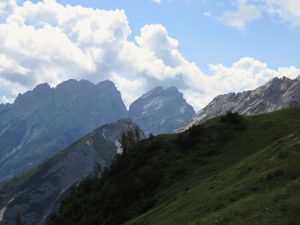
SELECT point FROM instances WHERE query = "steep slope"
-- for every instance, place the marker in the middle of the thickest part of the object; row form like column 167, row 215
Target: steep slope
column 37, row 194
column 45, row 120
column 229, row 170
column 161, row 110
column 4, row 108
column 276, row 94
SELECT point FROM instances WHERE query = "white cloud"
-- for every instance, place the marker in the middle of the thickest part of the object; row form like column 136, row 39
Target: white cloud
column 157, row 1
column 156, row 39
column 49, row 42
column 5, row 100
column 286, row 10
column 6, row 7
column 207, row 14
column 247, row 73
column 11, row 66
column 239, row 18
column 130, row 88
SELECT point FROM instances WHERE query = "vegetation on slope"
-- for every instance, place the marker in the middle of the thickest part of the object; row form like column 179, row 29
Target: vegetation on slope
column 231, row 170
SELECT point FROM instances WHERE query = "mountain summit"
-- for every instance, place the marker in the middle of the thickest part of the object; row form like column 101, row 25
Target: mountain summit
column 161, row 110
column 274, row 95
column 45, row 120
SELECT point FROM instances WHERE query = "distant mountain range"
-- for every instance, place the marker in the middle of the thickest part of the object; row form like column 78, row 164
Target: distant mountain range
column 38, row 193
column 274, row 95
column 42, row 122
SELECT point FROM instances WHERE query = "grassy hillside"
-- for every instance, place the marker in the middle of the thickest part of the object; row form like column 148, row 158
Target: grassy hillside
column 230, row 170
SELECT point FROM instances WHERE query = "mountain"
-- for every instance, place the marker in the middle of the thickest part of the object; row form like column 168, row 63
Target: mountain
column 42, row 122
column 161, row 110
column 230, row 170
column 276, row 94
column 38, row 193
column 45, row 120
column 4, row 108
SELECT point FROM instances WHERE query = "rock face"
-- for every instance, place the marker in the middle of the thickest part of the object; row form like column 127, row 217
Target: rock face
column 276, row 94
column 42, row 122
column 161, row 110
column 45, row 120
column 37, row 194
column 4, row 108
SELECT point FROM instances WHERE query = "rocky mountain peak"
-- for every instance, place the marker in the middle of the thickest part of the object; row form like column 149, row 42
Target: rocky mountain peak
column 153, row 91
column 42, row 87
column 172, row 89
column 45, row 120
column 160, row 110
column 106, row 84
column 276, row 94
column 275, row 82
column 40, row 91
column 72, row 83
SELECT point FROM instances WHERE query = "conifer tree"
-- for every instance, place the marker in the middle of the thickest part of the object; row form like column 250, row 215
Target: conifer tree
column 18, row 219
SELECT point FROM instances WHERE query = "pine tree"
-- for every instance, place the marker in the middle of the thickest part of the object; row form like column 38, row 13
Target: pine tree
column 129, row 139
column 18, row 219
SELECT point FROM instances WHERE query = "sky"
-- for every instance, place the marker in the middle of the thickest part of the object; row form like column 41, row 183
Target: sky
column 203, row 47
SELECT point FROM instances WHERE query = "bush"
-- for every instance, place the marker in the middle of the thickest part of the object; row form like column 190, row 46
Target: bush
column 151, row 136
column 231, row 117
column 190, row 137
column 196, row 131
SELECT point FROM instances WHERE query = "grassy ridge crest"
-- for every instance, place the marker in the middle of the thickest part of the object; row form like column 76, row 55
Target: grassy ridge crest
column 231, row 170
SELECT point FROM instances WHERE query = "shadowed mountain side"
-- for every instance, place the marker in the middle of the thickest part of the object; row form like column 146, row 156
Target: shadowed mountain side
column 45, row 120
column 38, row 193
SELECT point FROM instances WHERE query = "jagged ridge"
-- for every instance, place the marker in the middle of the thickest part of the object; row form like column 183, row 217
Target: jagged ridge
column 276, row 94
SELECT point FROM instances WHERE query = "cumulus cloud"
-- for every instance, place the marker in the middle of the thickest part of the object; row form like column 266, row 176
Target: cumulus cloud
column 239, row 18
column 248, row 73
column 286, row 11
column 245, row 74
column 5, row 100
column 6, row 7
column 49, row 42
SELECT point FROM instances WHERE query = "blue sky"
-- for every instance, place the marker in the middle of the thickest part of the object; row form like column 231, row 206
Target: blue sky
column 203, row 47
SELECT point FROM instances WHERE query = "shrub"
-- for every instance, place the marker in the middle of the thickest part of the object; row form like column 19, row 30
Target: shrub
column 196, row 131
column 151, row 136
column 231, row 117
column 190, row 137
